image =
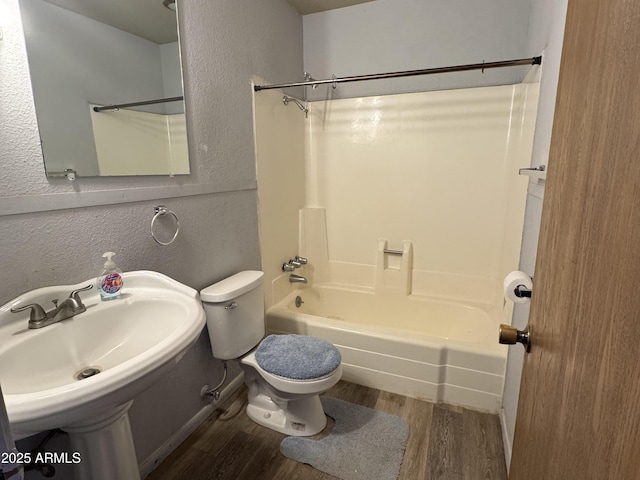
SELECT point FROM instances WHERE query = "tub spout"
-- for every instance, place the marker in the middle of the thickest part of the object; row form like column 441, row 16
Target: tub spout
column 293, row 278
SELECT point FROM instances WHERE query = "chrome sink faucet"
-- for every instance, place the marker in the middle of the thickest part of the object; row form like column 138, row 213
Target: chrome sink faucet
column 68, row 308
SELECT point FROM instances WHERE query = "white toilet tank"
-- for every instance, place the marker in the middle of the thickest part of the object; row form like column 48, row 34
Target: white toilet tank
column 235, row 314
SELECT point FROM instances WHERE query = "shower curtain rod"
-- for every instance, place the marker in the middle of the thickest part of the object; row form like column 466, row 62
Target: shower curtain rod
column 407, row 73
column 137, row 104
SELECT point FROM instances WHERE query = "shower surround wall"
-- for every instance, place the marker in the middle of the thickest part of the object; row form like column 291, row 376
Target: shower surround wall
column 280, row 149
column 148, row 143
column 439, row 169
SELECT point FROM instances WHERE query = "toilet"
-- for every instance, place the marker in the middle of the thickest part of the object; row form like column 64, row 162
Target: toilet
column 285, row 374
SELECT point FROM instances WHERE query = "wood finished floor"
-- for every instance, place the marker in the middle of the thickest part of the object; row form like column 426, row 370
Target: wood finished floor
column 445, row 443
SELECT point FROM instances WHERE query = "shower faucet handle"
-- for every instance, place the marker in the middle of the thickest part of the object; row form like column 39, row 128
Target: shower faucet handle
column 287, row 267
column 294, row 263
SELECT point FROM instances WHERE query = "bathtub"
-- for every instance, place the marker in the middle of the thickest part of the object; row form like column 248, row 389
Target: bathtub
column 434, row 349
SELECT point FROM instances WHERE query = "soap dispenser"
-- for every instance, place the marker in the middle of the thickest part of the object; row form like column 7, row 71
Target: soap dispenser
column 109, row 282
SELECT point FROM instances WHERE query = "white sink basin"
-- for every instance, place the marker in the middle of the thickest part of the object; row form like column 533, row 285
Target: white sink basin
column 132, row 341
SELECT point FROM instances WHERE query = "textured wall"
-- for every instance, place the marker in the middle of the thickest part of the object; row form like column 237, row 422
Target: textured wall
column 20, row 152
column 219, row 231
column 395, row 35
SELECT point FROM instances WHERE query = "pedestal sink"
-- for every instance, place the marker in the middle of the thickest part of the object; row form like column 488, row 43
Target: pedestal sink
column 81, row 374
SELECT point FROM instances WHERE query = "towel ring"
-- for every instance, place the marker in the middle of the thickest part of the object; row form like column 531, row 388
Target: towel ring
column 160, row 211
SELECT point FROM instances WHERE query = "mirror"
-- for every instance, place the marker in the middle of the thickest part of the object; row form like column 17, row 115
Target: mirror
column 91, row 53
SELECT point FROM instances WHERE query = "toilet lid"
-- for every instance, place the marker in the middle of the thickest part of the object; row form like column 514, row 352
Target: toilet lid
column 298, row 357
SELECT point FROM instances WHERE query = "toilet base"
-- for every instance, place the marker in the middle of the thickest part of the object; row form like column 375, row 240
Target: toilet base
column 300, row 418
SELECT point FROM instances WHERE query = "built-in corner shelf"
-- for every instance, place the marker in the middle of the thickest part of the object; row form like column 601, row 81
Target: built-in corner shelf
column 539, row 172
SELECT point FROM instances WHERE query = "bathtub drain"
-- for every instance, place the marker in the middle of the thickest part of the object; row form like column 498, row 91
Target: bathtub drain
column 299, row 301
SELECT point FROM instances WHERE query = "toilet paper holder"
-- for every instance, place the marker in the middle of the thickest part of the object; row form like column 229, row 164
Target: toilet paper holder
column 522, row 291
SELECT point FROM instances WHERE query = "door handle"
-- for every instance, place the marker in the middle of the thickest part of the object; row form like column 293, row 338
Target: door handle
column 511, row 335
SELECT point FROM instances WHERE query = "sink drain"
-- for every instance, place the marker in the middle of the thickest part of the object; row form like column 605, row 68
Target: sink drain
column 87, row 372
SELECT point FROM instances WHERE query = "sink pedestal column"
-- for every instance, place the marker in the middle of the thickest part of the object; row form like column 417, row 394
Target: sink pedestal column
column 105, row 445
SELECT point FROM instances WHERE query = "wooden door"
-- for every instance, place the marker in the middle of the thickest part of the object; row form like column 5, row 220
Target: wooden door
column 579, row 409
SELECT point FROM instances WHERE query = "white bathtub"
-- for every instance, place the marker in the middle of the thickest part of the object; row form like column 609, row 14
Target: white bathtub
column 438, row 350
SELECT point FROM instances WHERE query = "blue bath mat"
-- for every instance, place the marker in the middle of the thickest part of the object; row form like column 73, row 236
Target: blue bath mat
column 364, row 444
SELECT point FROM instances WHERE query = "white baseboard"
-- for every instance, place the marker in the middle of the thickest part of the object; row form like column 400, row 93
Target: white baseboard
column 164, row 450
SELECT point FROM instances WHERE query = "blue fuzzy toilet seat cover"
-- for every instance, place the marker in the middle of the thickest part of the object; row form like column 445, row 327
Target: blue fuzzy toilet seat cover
column 298, row 357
